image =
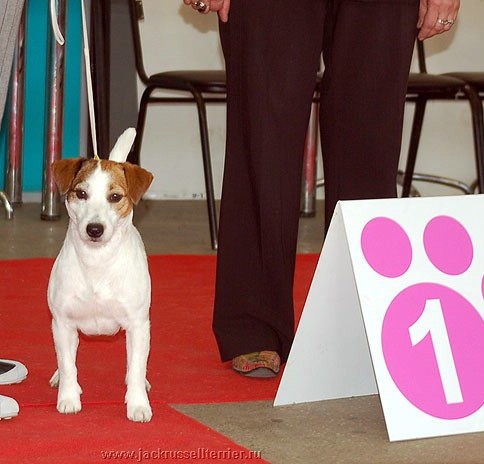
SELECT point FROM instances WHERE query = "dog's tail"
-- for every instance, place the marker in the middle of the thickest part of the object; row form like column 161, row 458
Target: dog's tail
column 123, row 146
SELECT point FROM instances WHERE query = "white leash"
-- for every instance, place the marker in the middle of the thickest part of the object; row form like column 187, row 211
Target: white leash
column 55, row 25
column 87, row 63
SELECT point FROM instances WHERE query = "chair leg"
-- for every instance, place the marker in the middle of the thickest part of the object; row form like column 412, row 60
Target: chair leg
column 134, row 156
column 207, row 168
column 308, row 194
column 478, row 130
column 418, row 117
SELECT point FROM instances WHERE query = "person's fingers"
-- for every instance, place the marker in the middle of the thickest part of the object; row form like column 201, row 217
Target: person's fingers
column 436, row 18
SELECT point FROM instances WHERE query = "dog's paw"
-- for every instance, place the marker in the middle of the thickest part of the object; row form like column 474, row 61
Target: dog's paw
column 69, row 405
column 139, row 412
column 54, row 380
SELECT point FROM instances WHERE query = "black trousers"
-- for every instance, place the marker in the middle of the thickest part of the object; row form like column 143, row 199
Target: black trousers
column 272, row 50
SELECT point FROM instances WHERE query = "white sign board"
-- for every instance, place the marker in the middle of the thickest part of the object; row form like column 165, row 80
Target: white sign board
column 398, row 296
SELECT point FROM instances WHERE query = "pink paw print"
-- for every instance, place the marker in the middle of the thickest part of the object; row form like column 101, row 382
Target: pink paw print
column 432, row 336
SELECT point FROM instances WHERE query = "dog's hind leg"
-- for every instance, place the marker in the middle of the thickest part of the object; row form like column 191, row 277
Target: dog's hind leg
column 137, row 348
column 54, row 380
column 66, row 340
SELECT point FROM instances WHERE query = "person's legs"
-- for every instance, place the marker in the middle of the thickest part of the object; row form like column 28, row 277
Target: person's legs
column 272, row 52
column 272, row 57
column 367, row 52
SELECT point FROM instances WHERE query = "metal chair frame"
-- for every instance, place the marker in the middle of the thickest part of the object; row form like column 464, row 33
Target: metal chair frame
column 423, row 87
column 197, row 84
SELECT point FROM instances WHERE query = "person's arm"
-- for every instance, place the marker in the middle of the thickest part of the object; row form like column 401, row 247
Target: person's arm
column 436, row 17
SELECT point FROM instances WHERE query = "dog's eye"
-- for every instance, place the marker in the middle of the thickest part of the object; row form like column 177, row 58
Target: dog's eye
column 115, row 198
column 81, row 194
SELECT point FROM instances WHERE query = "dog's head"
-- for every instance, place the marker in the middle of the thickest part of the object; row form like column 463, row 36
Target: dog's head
column 100, row 194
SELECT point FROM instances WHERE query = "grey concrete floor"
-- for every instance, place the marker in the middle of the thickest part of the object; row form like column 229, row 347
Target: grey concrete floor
column 346, row 431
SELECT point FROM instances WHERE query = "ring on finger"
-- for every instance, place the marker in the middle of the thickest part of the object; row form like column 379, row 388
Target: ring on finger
column 446, row 22
column 200, row 6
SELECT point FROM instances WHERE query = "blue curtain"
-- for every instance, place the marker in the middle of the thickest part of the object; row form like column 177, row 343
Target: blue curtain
column 35, row 97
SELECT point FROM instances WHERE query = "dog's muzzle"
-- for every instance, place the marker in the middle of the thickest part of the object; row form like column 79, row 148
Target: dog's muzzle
column 94, row 230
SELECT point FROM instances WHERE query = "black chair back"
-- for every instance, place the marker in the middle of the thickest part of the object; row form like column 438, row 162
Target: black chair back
column 136, row 11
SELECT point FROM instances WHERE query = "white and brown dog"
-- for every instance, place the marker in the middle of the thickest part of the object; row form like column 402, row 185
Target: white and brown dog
column 100, row 281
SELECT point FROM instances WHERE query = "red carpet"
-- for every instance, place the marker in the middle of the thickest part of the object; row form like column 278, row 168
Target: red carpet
column 184, row 367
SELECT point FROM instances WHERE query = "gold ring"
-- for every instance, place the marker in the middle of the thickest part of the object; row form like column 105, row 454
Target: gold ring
column 446, row 22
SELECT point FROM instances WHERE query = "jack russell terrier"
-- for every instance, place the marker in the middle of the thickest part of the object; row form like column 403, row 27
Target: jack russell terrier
column 100, row 281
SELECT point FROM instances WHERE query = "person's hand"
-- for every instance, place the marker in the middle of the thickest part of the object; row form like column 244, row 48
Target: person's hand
column 436, row 16
column 205, row 6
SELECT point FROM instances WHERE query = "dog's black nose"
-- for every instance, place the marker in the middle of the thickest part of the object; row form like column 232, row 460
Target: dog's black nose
column 95, row 230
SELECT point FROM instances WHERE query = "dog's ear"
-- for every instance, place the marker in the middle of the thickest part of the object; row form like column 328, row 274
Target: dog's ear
column 65, row 171
column 138, row 180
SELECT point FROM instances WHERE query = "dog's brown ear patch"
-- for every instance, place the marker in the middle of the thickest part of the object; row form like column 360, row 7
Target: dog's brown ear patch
column 65, row 171
column 138, row 180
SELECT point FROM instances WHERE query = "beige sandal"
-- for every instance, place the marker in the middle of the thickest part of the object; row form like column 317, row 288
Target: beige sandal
column 260, row 364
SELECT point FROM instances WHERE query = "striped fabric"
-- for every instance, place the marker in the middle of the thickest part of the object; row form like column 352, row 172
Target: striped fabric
column 10, row 13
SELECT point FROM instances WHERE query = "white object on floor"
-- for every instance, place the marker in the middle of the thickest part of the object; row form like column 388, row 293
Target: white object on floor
column 8, row 407
column 15, row 375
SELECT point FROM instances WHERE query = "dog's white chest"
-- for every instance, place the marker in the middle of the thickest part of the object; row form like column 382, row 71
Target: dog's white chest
column 100, row 300
column 93, row 308
column 97, row 312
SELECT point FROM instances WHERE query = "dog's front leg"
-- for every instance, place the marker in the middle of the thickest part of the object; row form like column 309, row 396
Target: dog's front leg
column 66, row 340
column 137, row 347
